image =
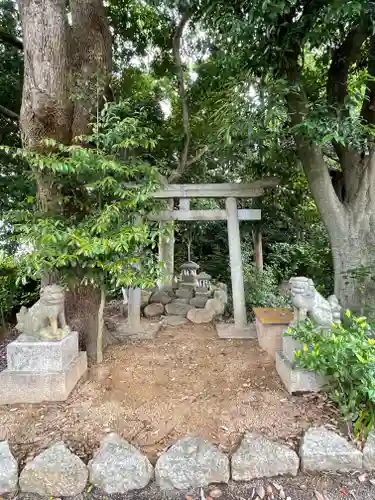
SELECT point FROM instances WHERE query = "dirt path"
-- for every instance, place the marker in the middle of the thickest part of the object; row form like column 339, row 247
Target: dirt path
column 186, row 381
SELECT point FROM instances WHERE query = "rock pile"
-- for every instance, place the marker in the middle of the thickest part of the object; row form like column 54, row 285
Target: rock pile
column 197, row 304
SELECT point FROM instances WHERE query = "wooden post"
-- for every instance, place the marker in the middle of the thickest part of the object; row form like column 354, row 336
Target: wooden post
column 134, row 309
column 235, row 258
column 166, row 250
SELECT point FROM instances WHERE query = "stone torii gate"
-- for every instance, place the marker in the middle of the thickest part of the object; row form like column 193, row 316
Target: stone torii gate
column 231, row 214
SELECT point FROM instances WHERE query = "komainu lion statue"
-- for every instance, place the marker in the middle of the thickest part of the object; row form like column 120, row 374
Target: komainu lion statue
column 46, row 318
column 307, row 301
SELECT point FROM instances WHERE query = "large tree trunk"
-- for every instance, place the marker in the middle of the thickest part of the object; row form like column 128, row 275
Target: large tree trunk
column 91, row 66
column 351, row 228
column 353, row 249
column 83, row 307
column 61, row 63
column 349, row 217
column 46, row 110
column 92, row 61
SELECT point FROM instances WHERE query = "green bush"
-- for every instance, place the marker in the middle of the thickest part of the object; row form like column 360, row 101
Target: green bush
column 304, row 258
column 14, row 294
column 261, row 287
column 345, row 355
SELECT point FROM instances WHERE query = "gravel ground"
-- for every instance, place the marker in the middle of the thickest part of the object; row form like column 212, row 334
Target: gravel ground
column 330, row 487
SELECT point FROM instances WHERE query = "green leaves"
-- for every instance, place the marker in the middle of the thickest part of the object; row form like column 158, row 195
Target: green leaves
column 261, row 287
column 345, row 356
column 100, row 231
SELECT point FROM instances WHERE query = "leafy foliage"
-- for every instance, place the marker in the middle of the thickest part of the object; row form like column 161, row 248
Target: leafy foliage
column 236, row 99
column 345, row 355
column 101, row 232
column 262, row 288
column 13, row 293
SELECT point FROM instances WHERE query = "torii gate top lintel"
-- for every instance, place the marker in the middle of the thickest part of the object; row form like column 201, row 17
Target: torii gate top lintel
column 225, row 190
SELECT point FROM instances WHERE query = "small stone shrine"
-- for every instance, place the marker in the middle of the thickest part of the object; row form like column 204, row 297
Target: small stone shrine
column 307, row 302
column 44, row 363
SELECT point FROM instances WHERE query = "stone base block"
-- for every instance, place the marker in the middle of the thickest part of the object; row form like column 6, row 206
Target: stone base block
column 145, row 331
column 289, row 347
column 269, row 337
column 26, row 354
column 296, row 380
column 32, row 387
column 231, row 331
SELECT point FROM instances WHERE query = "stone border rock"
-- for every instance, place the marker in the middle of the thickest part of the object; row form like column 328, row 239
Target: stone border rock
column 118, row 467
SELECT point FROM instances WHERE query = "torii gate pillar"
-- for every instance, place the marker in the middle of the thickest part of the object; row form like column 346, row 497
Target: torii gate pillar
column 235, row 258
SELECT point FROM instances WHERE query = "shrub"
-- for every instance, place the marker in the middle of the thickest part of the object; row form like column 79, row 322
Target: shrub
column 13, row 293
column 345, row 355
column 310, row 257
column 261, row 287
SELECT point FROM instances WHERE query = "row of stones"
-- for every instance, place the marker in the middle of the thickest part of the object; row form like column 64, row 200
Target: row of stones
column 118, row 467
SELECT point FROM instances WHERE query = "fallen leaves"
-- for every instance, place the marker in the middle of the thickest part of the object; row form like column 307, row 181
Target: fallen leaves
column 261, row 492
column 216, row 493
column 344, row 492
column 269, row 490
column 362, row 478
column 319, row 496
column 277, row 486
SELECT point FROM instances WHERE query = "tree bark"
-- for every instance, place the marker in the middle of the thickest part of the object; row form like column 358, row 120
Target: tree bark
column 82, row 308
column 349, row 212
column 99, row 337
column 258, row 249
column 61, row 62
column 46, row 110
column 92, row 61
column 354, row 250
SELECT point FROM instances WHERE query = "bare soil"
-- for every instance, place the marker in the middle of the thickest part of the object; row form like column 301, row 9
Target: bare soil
column 302, row 487
column 185, row 381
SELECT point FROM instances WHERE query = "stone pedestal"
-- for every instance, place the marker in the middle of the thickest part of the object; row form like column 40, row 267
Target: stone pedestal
column 231, row 331
column 270, row 323
column 41, row 371
column 295, row 379
column 145, row 331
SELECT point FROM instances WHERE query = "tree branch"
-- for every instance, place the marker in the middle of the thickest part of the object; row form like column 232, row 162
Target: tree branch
column 343, row 57
column 8, row 113
column 197, row 157
column 368, row 107
column 311, row 157
column 10, row 39
column 337, row 90
column 182, row 94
